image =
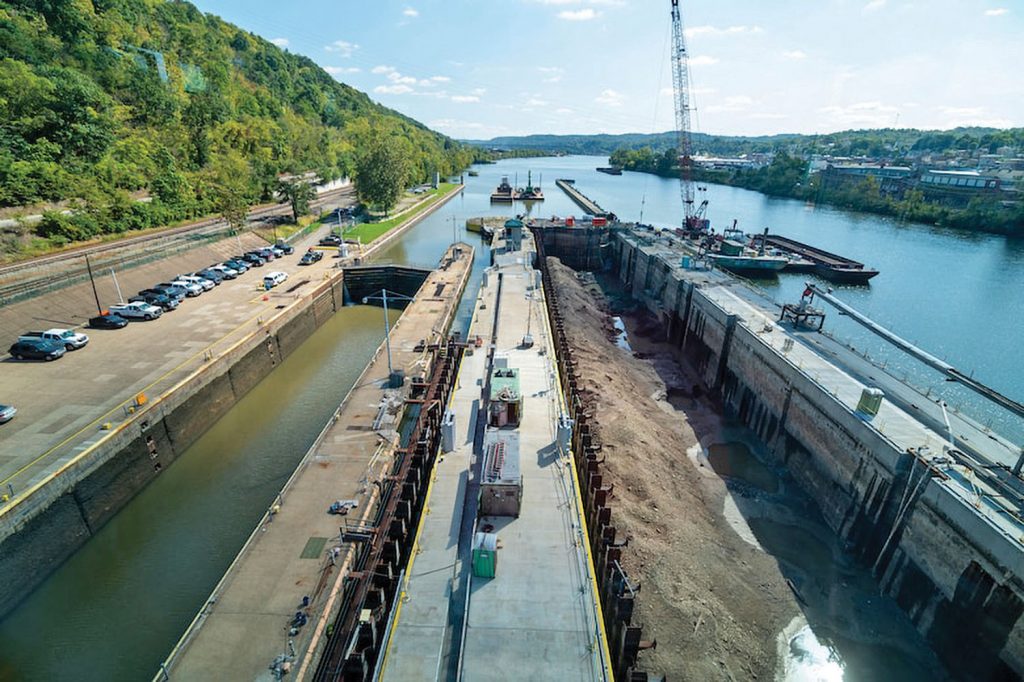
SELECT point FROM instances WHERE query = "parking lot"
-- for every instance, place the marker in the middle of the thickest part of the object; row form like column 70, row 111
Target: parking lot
column 62, row 404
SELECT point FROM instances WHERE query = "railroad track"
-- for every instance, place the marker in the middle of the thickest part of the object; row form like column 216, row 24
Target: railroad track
column 48, row 273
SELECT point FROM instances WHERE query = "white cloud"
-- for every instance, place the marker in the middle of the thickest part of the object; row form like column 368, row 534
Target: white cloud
column 563, row 111
column 440, row 79
column 536, row 102
column 553, row 74
column 340, row 70
column 280, row 42
column 463, row 99
column 731, row 103
column 997, row 12
column 870, row 114
column 610, row 98
column 586, row 14
column 715, row 31
column 342, row 47
column 410, row 12
column 794, row 54
column 392, row 89
column 396, row 77
column 703, row 60
column 382, row 69
column 479, row 91
column 875, row 5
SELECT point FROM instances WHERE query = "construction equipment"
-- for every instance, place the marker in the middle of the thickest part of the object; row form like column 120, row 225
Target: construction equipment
column 695, row 224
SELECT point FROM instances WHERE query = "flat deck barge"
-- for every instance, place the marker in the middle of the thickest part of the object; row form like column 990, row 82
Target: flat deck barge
column 830, row 266
column 588, row 205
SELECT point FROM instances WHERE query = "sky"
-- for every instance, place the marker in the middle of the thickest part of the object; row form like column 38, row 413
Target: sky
column 476, row 69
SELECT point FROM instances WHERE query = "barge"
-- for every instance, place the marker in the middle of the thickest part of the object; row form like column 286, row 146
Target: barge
column 825, row 264
column 503, row 193
column 610, row 170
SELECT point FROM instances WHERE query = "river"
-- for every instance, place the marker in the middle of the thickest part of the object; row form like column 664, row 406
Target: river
column 115, row 609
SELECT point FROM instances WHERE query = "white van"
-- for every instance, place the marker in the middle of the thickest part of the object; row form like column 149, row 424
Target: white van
column 272, row 279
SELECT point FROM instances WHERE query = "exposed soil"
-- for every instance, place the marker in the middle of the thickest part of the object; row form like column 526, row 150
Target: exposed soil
column 714, row 603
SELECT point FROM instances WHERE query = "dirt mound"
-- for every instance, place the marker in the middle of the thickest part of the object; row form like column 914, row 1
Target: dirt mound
column 714, row 603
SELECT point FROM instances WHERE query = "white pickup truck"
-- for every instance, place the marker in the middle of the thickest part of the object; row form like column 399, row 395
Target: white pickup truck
column 70, row 339
column 137, row 311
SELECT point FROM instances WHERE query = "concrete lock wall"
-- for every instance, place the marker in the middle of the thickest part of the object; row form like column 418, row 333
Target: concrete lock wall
column 951, row 571
column 89, row 495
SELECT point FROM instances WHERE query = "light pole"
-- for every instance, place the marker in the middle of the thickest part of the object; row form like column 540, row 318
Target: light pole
column 387, row 323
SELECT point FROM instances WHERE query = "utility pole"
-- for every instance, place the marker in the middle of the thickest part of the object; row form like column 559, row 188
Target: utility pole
column 387, row 325
column 92, row 280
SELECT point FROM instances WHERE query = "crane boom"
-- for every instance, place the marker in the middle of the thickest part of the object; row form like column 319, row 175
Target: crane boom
column 693, row 216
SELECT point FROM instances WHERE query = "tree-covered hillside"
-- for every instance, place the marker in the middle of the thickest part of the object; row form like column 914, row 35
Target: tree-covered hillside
column 103, row 101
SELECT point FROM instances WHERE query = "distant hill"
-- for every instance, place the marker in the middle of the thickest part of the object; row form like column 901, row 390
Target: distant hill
column 879, row 142
column 105, row 101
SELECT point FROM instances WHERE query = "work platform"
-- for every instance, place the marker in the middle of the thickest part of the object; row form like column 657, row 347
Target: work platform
column 538, row 617
column 296, row 560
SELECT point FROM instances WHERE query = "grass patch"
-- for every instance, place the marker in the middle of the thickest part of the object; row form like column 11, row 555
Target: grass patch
column 285, row 231
column 368, row 232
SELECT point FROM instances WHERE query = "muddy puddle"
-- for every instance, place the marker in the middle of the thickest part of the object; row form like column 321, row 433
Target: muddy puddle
column 847, row 631
column 736, row 461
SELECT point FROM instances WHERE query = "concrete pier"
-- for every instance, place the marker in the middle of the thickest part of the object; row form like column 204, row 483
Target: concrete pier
column 295, row 560
column 538, row 617
column 587, row 204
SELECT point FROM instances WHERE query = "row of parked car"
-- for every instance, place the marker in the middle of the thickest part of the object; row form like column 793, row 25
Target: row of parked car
column 150, row 303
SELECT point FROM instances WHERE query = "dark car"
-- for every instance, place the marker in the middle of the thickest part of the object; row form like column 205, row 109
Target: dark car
column 213, row 275
column 37, row 349
column 164, row 291
column 287, row 249
column 267, row 254
column 162, row 301
column 108, row 321
column 311, row 257
column 236, row 264
column 254, row 258
column 331, row 240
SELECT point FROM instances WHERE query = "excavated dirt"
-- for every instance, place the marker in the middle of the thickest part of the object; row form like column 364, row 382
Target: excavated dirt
column 714, row 603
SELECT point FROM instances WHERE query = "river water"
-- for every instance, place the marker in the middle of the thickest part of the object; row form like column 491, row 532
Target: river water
column 115, row 609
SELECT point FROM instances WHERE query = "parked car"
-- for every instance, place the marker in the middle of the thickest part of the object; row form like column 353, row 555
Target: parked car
column 69, row 338
column 213, row 275
column 285, row 247
column 267, row 254
column 162, row 301
column 240, row 265
column 109, row 321
column 331, row 240
column 176, row 293
column 7, row 413
column 229, row 273
column 278, row 251
column 272, row 279
column 137, row 311
column 254, row 259
column 310, row 257
column 37, row 349
column 201, row 281
column 183, row 288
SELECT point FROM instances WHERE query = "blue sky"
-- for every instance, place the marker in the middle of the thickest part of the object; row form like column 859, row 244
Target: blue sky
column 483, row 68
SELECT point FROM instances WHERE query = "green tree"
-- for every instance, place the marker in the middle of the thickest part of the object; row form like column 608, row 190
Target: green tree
column 381, row 172
column 299, row 193
column 230, row 185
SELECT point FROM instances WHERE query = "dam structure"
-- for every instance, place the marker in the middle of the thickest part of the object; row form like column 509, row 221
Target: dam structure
column 930, row 506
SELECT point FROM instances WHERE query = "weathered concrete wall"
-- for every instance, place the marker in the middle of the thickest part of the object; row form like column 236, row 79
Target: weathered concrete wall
column 955, row 574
